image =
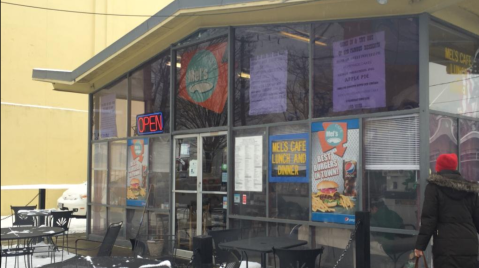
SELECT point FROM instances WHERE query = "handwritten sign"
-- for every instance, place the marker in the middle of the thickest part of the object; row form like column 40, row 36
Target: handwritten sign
column 289, row 155
column 359, row 73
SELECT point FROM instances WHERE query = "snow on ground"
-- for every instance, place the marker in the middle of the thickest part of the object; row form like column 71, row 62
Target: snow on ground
column 41, row 257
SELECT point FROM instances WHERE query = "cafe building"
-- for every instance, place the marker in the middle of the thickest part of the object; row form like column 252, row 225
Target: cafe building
column 280, row 117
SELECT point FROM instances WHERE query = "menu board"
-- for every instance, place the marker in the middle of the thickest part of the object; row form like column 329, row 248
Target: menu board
column 108, row 116
column 359, row 80
column 137, row 172
column 249, row 164
column 335, row 151
column 288, row 158
column 268, row 77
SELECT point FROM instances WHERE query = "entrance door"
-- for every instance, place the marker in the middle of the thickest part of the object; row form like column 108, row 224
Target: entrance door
column 200, row 186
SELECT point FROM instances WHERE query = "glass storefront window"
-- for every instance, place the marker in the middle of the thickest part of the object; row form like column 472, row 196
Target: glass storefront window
column 289, row 200
column 117, row 184
column 98, row 220
column 392, row 250
column 251, row 203
column 469, row 149
column 109, row 115
column 202, row 85
column 99, row 173
column 442, row 138
column 365, row 66
column 160, row 173
column 133, row 219
column 116, row 215
column 271, row 74
column 150, row 91
column 453, row 85
column 334, row 241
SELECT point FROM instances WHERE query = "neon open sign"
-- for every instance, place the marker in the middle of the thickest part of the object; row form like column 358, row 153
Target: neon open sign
column 149, row 123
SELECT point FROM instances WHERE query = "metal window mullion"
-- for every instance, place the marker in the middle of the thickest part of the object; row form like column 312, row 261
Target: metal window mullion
column 172, row 200
column 89, row 164
column 199, row 185
column 229, row 137
column 359, row 170
column 265, row 148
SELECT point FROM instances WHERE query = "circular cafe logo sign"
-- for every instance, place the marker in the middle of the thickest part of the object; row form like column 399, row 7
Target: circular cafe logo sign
column 201, row 76
column 334, row 135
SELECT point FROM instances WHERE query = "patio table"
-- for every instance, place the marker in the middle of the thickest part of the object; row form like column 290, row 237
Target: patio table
column 37, row 213
column 100, row 262
column 264, row 245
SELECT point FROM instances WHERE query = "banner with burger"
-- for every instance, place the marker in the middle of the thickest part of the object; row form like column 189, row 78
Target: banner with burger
column 137, row 172
column 335, row 150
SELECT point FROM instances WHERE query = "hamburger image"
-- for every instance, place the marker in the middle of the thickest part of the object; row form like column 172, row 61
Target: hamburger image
column 328, row 193
column 134, row 190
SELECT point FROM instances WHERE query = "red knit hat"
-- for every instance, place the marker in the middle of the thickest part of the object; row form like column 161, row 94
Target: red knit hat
column 446, row 162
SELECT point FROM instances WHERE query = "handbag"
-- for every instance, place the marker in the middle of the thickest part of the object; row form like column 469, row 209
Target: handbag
column 417, row 262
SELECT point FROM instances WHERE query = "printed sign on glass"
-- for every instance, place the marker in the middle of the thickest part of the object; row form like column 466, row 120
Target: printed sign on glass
column 204, row 77
column 249, row 164
column 335, row 151
column 108, row 116
column 137, row 172
column 359, row 73
column 288, row 158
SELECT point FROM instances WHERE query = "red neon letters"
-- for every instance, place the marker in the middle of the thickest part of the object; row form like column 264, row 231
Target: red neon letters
column 149, row 123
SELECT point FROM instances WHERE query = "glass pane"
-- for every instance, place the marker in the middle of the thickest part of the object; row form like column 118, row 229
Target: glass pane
column 185, row 221
column 160, row 172
column 110, row 111
column 246, row 202
column 133, row 219
column 214, row 212
column 150, row 91
column 393, row 201
column 202, row 34
column 98, row 220
column 117, row 186
column 99, row 172
column 442, row 138
column 215, row 153
column 202, row 91
column 469, row 149
column 453, row 85
column 250, row 229
column 158, row 224
column 271, row 74
column 186, row 164
column 365, row 66
column 392, row 250
column 289, row 200
column 117, row 215
column 334, row 241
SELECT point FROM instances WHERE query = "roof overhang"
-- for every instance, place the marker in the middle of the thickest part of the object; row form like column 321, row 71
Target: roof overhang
column 182, row 17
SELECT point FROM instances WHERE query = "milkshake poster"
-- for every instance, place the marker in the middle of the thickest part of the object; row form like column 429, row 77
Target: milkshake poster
column 335, row 152
column 137, row 172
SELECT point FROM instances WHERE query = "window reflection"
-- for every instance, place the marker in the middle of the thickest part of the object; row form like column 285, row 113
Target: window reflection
column 469, row 149
column 442, row 138
column 350, row 80
column 159, row 174
column 272, row 74
column 99, row 172
column 117, row 185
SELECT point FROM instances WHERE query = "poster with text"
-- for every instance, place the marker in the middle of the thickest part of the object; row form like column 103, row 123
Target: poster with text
column 359, row 73
column 288, row 158
column 137, row 172
column 268, row 78
column 249, row 164
column 204, row 77
column 335, row 152
column 108, row 116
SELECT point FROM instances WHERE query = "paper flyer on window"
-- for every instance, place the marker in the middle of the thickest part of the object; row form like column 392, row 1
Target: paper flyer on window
column 335, row 152
column 288, row 158
column 137, row 172
column 249, row 164
column 359, row 80
column 108, row 116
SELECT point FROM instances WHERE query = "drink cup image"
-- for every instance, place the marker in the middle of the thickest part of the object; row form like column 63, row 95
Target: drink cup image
column 349, row 176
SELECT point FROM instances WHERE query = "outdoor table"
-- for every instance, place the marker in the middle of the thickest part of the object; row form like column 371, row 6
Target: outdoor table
column 100, row 262
column 37, row 213
column 263, row 245
column 28, row 234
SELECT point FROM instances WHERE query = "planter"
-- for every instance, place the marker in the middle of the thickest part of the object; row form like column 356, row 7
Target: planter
column 155, row 247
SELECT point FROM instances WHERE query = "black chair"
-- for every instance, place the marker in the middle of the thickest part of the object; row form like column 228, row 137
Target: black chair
column 304, row 258
column 21, row 220
column 61, row 219
column 106, row 245
column 26, row 252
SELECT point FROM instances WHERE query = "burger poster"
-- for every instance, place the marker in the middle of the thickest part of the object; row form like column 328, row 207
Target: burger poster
column 137, row 172
column 204, row 77
column 335, row 150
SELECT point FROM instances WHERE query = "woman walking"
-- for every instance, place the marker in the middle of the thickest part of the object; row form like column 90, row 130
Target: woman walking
column 450, row 214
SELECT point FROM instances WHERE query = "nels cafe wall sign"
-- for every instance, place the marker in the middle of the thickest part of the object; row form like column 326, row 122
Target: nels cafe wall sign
column 149, row 123
column 204, row 77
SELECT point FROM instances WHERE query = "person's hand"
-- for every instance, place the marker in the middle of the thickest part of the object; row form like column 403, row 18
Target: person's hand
column 418, row 253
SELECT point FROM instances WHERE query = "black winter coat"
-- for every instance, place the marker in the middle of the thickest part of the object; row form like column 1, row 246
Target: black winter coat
column 451, row 215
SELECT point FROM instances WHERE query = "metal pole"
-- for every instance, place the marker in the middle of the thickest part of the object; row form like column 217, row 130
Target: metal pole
column 41, row 204
column 363, row 254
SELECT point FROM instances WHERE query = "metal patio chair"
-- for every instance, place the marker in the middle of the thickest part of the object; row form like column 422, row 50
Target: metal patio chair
column 305, row 258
